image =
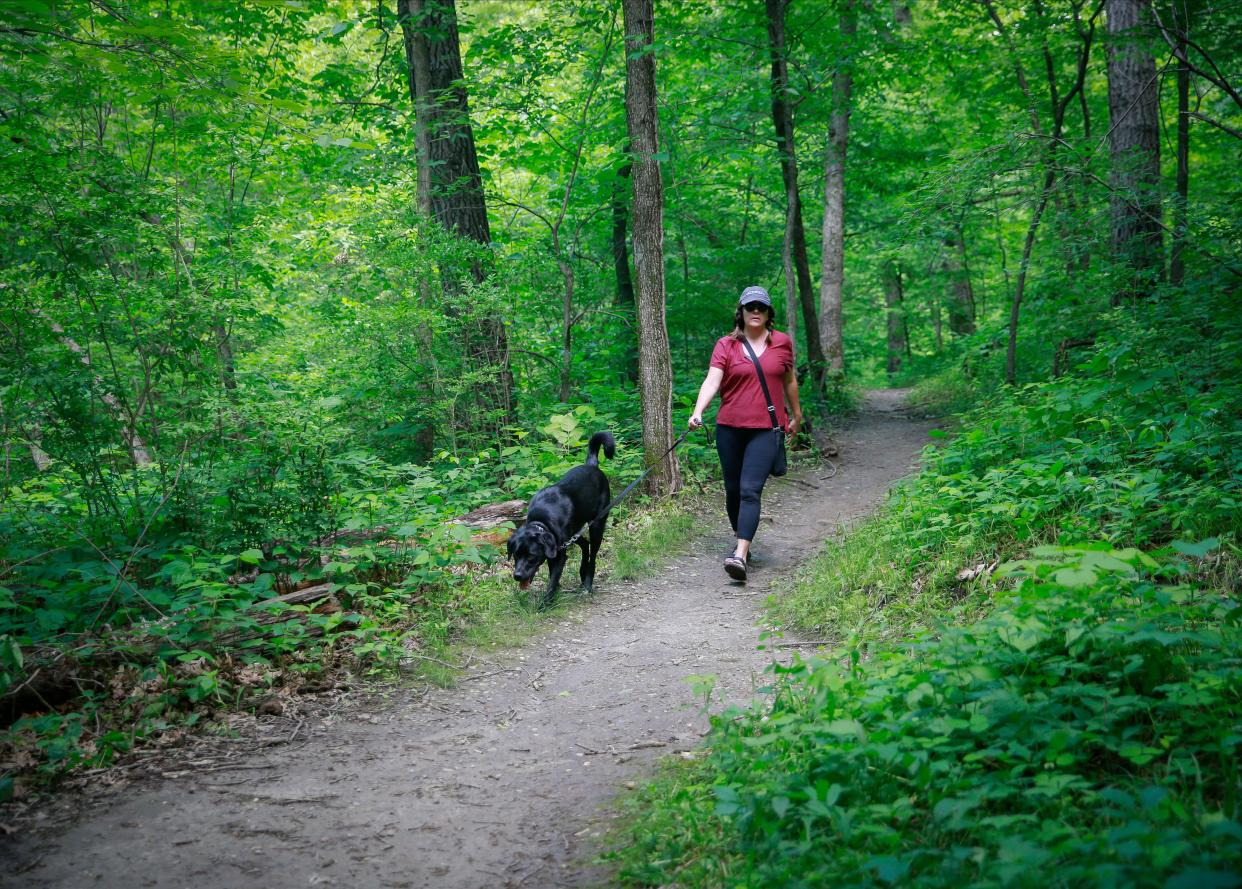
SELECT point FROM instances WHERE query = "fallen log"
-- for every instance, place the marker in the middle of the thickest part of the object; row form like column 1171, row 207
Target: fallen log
column 484, row 521
column 321, row 592
column 492, row 515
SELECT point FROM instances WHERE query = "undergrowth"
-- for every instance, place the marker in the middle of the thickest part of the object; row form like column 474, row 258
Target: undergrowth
column 1032, row 672
column 1083, row 733
column 155, row 640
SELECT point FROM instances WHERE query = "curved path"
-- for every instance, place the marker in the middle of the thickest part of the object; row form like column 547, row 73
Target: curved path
column 504, row 780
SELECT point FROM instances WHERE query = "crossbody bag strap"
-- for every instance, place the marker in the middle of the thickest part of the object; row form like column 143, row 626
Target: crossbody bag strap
column 762, row 382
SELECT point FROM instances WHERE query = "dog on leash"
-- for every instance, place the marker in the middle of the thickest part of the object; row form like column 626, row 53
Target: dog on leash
column 556, row 513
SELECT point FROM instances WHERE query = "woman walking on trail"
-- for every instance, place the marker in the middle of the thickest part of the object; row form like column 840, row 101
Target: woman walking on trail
column 747, row 439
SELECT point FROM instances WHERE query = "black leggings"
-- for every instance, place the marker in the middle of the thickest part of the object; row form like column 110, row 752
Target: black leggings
column 746, row 457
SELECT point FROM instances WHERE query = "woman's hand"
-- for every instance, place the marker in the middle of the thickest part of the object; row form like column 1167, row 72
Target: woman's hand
column 711, row 385
column 795, row 423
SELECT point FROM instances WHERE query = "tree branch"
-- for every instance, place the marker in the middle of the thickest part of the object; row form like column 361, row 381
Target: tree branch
column 1216, row 123
column 550, row 361
column 1183, row 57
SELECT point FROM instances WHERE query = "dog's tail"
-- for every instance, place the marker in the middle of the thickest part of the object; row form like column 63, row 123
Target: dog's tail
column 599, row 439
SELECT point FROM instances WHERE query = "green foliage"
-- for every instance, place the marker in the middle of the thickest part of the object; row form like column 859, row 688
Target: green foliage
column 1085, row 729
column 1141, row 447
column 169, row 600
column 1069, row 717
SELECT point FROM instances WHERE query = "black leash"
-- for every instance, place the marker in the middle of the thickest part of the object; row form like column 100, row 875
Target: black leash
column 630, row 487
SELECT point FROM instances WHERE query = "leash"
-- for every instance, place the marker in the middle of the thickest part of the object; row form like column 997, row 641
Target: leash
column 630, row 487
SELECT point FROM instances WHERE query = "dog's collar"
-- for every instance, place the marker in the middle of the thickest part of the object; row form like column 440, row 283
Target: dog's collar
column 559, row 546
column 543, row 526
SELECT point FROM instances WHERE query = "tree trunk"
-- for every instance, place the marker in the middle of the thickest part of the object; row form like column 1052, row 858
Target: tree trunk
column 129, row 431
column 418, row 67
column 791, row 285
column 961, row 294
column 794, row 253
column 624, row 299
column 1177, row 262
column 456, row 184
column 224, row 354
column 832, row 275
column 1134, row 146
column 896, row 318
column 449, row 170
column 655, row 375
column 567, row 326
column 1048, row 154
column 42, row 461
column 1011, row 350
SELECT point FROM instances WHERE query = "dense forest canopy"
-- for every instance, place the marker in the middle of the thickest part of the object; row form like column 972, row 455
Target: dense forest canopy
column 273, row 274
column 212, row 193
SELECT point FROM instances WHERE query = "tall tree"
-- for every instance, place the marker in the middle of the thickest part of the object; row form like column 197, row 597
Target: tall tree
column 655, row 373
column 450, row 183
column 619, row 202
column 1049, row 142
column 1134, row 144
column 832, row 273
column 418, row 72
column 893, row 299
column 961, row 294
column 1177, row 259
column 793, row 252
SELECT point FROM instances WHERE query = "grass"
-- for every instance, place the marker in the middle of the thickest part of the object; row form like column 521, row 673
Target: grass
column 651, row 536
column 858, row 589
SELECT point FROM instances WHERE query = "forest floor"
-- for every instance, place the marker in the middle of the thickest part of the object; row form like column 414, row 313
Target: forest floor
column 505, row 780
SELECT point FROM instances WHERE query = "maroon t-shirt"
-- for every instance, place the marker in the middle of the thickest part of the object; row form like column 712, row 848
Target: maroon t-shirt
column 741, row 397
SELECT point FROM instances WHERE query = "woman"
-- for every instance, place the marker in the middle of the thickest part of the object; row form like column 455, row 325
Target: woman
column 745, row 439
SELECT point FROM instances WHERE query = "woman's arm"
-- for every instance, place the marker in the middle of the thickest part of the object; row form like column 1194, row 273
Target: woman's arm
column 793, row 408
column 711, row 385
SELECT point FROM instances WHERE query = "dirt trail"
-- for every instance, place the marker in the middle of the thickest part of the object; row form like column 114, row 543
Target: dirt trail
column 505, row 780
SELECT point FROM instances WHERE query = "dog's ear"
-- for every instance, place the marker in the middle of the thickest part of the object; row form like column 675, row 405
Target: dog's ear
column 549, row 545
column 509, row 545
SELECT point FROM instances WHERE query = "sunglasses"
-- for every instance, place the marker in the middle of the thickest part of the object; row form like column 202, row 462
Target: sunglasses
column 755, row 307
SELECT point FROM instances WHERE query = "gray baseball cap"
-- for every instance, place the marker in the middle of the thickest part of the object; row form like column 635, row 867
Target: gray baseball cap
column 755, row 295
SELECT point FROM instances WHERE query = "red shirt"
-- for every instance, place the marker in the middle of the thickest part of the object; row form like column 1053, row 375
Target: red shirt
column 741, row 397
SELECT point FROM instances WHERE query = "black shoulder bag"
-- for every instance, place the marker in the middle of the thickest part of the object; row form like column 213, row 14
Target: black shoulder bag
column 780, row 465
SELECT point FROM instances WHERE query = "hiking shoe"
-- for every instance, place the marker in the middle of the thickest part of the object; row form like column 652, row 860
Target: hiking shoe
column 753, row 559
column 735, row 567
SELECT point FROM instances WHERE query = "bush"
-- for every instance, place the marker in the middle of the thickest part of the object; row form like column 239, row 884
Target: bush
column 1084, row 733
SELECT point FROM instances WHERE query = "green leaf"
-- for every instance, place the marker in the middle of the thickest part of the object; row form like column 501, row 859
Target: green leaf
column 846, row 728
column 11, row 654
column 889, row 869
column 1196, row 550
column 1202, row 878
column 1075, row 578
column 1024, row 634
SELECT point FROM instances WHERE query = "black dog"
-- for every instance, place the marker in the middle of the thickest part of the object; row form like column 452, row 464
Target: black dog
column 556, row 513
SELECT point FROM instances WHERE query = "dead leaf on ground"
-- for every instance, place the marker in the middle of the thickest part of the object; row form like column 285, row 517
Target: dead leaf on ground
column 977, row 571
